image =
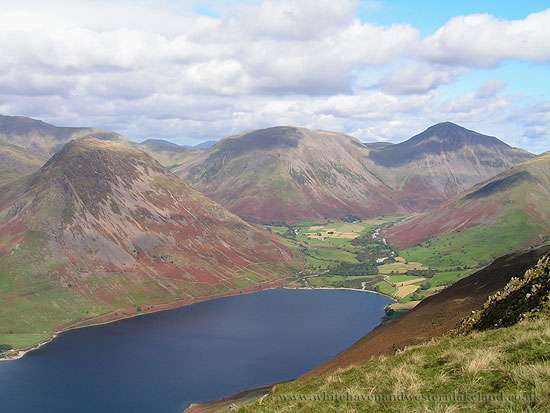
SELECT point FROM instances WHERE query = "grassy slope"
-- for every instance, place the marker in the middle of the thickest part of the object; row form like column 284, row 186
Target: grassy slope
column 511, row 361
column 503, row 214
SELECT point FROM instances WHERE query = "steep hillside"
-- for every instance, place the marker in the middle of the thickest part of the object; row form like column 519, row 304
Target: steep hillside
column 506, row 212
column 43, row 138
column 289, row 174
column 103, row 229
column 16, row 162
column 441, row 162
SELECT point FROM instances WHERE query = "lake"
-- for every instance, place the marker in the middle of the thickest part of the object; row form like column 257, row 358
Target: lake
column 164, row 361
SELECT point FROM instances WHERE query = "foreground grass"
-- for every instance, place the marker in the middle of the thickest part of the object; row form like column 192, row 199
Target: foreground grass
column 493, row 368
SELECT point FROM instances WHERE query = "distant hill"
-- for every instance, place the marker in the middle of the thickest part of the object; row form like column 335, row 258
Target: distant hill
column 160, row 142
column 45, row 139
column 443, row 161
column 287, row 174
column 202, row 145
column 290, row 174
column 167, row 153
column 377, row 145
column 16, row 162
column 102, row 228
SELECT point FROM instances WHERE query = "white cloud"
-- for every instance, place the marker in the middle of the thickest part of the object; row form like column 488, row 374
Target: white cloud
column 483, row 40
column 413, row 77
column 157, row 69
column 490, row 88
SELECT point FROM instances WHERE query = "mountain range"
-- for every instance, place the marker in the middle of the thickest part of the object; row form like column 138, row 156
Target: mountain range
column 45, row 139
column 291, row 174
column 288, row 174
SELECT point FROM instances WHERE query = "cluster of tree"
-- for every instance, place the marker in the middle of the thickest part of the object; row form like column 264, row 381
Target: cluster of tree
column 278, row 224
column 347, row 269
column 289, row 233
column 350, row 218
column 429, row 273
column 358, row 283
column 426, row 286
column 5, row 347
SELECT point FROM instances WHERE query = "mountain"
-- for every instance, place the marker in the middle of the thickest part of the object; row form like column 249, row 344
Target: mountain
column 167, row 153
column 202, row 145
column 443, row 161
column 290, row 174
column 16, row 162
column 506, row 212
column 287, row 174
column 43, row 138
column 103, row 231
column 377, row 145
column 160, row 142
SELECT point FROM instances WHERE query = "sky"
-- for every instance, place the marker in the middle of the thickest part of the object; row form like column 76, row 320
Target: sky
column 190, row 71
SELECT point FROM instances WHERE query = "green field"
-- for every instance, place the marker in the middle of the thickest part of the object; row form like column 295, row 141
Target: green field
column 385, row 287
column 442, row 261
column 400, row 278
column 352, row 243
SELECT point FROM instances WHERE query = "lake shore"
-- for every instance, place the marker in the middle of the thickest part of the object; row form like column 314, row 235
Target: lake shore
column 341, row 288
column 110, row 317
column 131, row 312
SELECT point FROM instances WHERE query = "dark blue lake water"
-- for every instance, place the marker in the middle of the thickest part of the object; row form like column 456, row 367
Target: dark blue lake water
column 162, row 362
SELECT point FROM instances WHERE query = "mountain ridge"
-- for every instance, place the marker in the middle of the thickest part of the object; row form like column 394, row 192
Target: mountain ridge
column 286, row 173
column 300, row 173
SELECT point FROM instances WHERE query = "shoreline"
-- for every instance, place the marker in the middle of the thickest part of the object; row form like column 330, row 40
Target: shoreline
column 163, row 307
column 340, row 288
column 160, row 307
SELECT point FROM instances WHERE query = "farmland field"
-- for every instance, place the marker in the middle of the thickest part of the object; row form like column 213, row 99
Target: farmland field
column 336, row 247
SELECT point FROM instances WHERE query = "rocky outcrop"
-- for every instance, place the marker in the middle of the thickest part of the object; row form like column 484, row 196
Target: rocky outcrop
column 519, row 299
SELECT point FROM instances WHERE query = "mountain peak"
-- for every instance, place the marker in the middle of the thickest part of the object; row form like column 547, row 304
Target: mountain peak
column 87, row 152
column 42, row 138
column 444, row 139
column 160, row 142
column 455, row 137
